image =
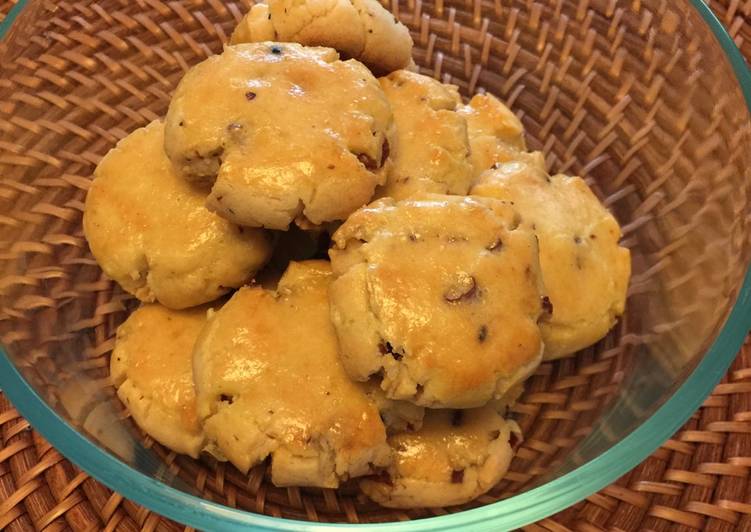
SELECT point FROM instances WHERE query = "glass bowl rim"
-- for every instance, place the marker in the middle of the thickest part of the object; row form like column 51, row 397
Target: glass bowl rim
column 511, row 513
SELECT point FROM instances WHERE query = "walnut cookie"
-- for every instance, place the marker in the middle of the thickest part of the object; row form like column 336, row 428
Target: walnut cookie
column 150, row 231
column 586, row 271
column 440, row 295
column 280, row 132
column 360, row 29
column 431, row 153
column 269, row 383
column 455, row 457
column 151, row 368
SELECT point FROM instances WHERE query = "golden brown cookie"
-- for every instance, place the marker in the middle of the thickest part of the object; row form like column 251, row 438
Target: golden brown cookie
column 360, row 29
column 150, row 231
column 441, row 295
column 585, row 271
column 255, row 26
column 431, row 152
column 281, row 131
column 151, row 367
column 455, row 457
column 269, row 382
column 496, row 135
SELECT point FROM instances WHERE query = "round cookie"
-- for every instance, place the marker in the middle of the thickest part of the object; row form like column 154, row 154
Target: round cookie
column 360, row 29
column 455, row 457
column 150, row 231
column 585, row 271
column 439, row 295
column 151, row 367
column 431, row 153
column 269, row 382
column 495, row 133
column 282, row 131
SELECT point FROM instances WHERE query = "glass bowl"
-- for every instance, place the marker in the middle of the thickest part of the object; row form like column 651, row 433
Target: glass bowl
column 648, row 100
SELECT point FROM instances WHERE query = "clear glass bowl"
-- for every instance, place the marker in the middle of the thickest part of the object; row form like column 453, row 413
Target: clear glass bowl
column 647, row 99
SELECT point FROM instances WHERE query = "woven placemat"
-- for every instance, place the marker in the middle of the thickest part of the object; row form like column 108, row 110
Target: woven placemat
column 699, row 479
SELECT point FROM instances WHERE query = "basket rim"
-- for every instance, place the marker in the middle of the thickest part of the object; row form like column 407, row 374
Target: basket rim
column 511, row 513
column 7, row 22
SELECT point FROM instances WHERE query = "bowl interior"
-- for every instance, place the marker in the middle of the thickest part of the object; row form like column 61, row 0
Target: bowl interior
column 636, row 97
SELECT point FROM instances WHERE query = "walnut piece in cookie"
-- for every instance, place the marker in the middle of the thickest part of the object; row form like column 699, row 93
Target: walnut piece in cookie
column 280, row 131
column 150, row 231
column 585, row 270
column 455, row 457
column 496, row 135
column 440, row 295
column 151, row 368
column 360, row 29
column 269, row 383
column 431, row 152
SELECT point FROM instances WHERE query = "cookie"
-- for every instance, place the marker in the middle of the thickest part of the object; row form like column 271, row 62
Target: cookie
column 397, row 416
column 496, row 135
column 269, row 383
column 441, row 295
column 255, row 26
column 151, row 367
column 360, row 29
column 431, row 153
column 585, row 271
column 281, row 131
column 150, row 231
column 457, row 456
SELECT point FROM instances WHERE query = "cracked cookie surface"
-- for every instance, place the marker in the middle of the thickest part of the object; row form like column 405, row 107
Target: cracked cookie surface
column 455, row 457
column 150, row 231
column 397, row 416
column 360, row 29
column 151, row 368
column 269, row 383
column 431, row 152
column 279, row 132
column 440, row 296
column 585, row 270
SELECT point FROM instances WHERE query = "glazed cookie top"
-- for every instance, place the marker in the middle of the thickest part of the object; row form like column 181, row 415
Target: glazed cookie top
column 150, row 231
column 455, row 457
column 439, row 294
column 495, row 133
column 281, row 131
column 431, row 153
column 586, row 272
column 151, row 366
column 360, row 29
column 269, row 382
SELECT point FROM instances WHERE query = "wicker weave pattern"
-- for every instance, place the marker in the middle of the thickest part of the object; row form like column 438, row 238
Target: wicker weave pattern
column 698, row 480
column 111, row 65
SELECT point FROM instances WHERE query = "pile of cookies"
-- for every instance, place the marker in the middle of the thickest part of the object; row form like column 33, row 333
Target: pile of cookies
column 350, row 276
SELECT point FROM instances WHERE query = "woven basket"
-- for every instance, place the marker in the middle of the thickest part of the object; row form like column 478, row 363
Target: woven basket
column 626, row 94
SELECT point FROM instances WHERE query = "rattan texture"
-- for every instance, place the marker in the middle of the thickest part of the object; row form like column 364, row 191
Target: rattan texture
column 697, row 480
